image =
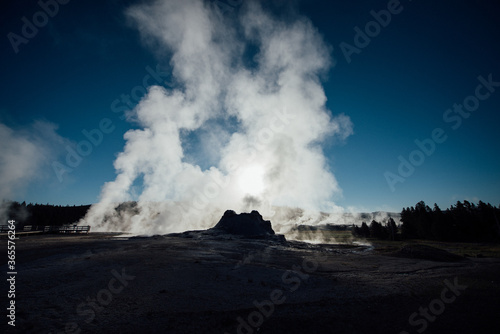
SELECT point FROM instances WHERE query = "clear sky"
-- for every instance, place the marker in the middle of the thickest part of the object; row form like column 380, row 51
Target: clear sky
column 398, row 69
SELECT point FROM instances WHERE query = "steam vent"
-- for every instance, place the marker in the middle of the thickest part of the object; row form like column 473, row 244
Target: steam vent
column 245, row 224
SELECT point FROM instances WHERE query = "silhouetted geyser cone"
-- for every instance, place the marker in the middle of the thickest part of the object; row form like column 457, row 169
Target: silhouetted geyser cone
column 233, row 226
column 245, row 224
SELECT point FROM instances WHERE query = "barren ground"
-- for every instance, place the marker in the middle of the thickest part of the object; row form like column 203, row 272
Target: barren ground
column 98, row 283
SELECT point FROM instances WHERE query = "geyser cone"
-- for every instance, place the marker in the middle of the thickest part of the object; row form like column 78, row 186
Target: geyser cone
column 246, row 224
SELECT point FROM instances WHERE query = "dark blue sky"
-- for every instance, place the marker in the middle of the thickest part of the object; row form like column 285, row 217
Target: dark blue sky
column 396, row 88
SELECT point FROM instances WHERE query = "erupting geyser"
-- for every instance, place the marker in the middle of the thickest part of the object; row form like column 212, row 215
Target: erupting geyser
column 241, row 127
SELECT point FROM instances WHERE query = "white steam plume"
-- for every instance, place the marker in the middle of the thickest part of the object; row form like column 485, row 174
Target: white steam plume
column 250, row 86
column 26, row 156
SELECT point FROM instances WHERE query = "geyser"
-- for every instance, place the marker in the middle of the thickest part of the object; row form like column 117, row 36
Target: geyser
column 246, row 224
column 237, row 226
column 242, row 129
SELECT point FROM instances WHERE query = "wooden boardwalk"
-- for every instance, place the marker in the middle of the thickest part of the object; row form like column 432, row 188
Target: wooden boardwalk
column 30, row 229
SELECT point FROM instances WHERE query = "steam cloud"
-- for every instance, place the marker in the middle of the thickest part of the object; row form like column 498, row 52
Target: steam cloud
column 26, row 157
column 242, row 130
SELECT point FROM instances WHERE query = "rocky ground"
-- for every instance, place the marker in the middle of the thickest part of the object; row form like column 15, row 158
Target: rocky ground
column 195, row 283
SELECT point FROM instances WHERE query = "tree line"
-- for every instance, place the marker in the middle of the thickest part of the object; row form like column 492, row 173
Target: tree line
column 464, row 222
column 43, row 214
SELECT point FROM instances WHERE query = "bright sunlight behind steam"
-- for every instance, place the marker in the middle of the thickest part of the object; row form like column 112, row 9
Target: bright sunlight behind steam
column 247, row 82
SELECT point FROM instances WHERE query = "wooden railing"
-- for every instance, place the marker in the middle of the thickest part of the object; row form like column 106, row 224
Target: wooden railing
column 74, row 229
column 4, row 228
column 50, row 229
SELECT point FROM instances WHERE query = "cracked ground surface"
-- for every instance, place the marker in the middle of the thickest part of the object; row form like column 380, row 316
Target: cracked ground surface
column 99, row 283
